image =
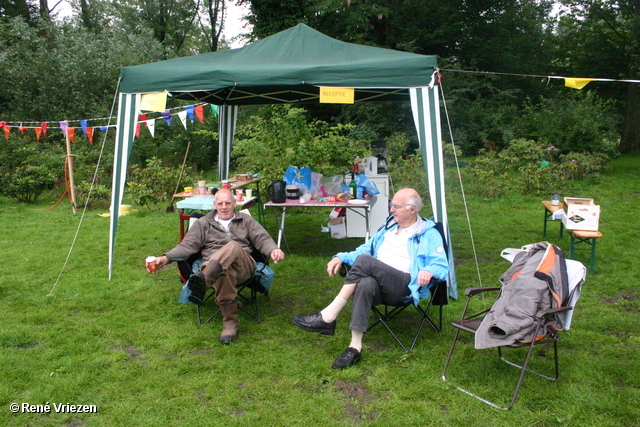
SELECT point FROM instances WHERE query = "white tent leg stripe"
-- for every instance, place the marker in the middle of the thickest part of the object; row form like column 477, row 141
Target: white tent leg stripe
column 128, row 106
column 425, row 104
column 228, row 115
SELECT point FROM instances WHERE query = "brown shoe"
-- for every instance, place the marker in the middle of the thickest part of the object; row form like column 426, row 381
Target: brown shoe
column 229, row 322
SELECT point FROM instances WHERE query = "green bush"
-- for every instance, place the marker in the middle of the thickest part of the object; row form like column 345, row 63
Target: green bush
column 532, row 168
column 27, row 183
column 283, row 135
column 154, row 183
column 100, row 194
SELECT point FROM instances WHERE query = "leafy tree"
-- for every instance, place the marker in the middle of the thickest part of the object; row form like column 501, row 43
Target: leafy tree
column 17, row 8
column 75, row 80
column 601, row 38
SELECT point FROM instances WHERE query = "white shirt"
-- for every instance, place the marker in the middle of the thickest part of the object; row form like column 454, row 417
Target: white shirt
column 224, row 223
column 393, row 249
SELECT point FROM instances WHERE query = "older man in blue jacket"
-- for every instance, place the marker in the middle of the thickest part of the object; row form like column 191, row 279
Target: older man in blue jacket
column 399, row 260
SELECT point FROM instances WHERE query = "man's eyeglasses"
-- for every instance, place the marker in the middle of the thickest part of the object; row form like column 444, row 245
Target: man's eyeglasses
column 396, row 207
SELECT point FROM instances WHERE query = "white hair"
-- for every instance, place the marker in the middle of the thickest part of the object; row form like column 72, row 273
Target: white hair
column 415, row 200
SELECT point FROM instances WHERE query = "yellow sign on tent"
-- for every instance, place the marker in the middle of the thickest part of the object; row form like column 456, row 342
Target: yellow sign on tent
column 576, row 83
column 154, row 102
column 336, row 95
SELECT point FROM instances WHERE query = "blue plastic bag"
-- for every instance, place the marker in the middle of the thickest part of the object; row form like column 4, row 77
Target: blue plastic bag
column 363, row 184
column 186, row 292
column 266, row 277
column 300, row 176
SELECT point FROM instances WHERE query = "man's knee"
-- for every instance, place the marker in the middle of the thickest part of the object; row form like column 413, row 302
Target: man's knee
column 363, row 259
column 366, row 288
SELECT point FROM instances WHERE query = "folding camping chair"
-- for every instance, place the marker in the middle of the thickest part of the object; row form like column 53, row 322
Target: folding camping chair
column 437, row 297
column 252, row 286
column 576, row 273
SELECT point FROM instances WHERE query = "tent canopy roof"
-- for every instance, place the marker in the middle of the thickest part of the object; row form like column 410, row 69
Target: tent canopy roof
column 286, row 67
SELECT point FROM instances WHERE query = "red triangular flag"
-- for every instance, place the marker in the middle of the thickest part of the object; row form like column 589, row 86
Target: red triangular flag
column 89, row 131
column 44, row 128
column 72, row 134
column 38, row 132
column 7, row 131
column 2, row 124
column 199, row 110
column 22, row 129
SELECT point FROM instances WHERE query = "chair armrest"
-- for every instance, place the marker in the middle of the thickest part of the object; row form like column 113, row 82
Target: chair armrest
column 548, row 312
column 474, row 291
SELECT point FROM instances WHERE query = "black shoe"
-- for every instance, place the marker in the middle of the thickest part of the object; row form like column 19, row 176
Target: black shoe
column 314, row 323
column 348, row 358
column 198, row 287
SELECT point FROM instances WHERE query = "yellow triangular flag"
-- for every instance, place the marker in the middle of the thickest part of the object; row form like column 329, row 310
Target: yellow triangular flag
column 154, row 102
column 576, row 83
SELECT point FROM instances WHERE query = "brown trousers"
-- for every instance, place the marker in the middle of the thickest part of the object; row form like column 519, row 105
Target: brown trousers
column 225, row 269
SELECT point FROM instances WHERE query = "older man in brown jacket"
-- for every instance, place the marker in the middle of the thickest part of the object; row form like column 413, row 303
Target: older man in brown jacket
column 225, row 238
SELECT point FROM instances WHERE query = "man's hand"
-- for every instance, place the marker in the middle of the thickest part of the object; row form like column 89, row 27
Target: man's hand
column 277, row 255
column 333, row 266
column 161, row 261
column 424, row 277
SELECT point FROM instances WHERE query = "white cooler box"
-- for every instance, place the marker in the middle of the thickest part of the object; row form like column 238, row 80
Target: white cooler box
column 581, row 214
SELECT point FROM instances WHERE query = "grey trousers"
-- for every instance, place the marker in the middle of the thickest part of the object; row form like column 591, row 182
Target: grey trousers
column 376, row 283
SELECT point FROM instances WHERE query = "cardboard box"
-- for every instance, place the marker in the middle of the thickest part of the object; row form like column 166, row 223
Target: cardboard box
column 581, row 214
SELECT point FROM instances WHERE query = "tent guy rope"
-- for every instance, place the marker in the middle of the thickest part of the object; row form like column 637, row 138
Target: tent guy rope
column 86, row 203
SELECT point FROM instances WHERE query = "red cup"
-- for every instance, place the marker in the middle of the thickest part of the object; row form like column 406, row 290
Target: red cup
column 152, row 266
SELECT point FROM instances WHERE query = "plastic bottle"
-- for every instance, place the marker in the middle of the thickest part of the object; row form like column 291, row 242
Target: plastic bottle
column 353, row 187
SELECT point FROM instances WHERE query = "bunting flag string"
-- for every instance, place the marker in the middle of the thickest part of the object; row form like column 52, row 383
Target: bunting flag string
column 572, row 82
column 40, row 128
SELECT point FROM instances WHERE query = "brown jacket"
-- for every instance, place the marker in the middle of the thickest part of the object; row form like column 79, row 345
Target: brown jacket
column 207, row 236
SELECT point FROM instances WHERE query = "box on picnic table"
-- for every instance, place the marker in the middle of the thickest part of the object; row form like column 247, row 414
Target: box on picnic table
column 581, row 214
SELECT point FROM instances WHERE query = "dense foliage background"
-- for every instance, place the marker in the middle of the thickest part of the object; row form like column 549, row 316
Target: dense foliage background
column 494, row 58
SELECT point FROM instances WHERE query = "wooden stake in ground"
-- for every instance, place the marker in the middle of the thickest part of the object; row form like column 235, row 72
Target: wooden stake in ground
column 70, row 164
column 170, row 207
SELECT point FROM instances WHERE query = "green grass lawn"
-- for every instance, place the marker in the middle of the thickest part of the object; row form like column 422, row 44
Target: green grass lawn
column 129, row 348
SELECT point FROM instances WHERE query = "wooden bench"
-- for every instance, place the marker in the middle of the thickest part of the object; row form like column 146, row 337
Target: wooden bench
column 587, row 237
column 549, row 210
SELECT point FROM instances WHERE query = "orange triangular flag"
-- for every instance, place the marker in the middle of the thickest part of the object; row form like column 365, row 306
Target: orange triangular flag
column 7, row 131
column 576, row 83
column 138, row 130
column 72, row 134
column 89, row 131
column 199, row 110
column 38, row 132
column 22, row 129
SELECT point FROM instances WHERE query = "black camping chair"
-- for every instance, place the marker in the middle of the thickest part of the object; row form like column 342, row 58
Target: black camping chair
column 247, row 291
column 438, row 297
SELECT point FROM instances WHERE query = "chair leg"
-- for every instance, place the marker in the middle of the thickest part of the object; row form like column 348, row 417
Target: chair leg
column 524, row 369
column 381, row 319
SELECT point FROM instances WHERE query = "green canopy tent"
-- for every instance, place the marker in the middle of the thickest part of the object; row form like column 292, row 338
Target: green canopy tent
column 288, row 67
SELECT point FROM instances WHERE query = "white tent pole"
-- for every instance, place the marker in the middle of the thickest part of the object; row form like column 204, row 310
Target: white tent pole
column 227, row 118
column 128, row 107
column 425, row 105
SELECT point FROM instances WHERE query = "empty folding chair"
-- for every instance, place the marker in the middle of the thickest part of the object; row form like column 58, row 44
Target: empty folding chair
column 563, row 278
